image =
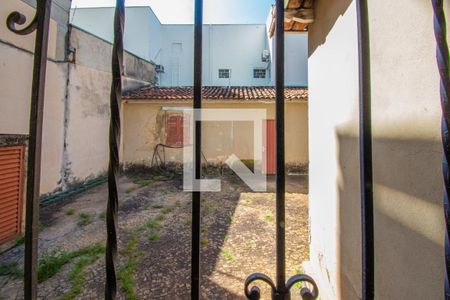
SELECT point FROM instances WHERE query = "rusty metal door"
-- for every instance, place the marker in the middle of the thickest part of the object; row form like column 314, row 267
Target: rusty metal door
column 11, row 181
column 269, row 149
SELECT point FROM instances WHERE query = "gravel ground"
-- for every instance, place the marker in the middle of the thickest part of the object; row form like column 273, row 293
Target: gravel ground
column 238, row 238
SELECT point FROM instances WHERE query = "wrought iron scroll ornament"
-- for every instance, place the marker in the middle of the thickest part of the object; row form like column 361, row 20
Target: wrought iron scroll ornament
column 16, row 18
column 442, row 56
column 114, row 142
column 280, row 289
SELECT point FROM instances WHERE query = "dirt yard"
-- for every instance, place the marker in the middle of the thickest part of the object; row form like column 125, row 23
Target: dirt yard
column 238, row 238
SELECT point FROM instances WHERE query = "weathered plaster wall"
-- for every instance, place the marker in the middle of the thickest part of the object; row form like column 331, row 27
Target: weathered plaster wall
column 144, row 122
column 409, row 228
column 87, row 108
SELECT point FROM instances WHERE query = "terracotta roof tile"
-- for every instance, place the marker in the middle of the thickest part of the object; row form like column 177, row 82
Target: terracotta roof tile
column 216, row 93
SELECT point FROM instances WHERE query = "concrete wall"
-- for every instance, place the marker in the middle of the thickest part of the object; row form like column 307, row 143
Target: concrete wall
column 237, row 47
column 144, row 129
column 409, row 225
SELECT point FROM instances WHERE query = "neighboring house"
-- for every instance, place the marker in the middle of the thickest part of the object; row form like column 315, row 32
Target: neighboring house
column 76, row 112
column 233, row 54
column 237, row 59
column 153, row 116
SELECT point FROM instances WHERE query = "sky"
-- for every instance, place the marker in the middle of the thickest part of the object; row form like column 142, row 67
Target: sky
column 182, row 11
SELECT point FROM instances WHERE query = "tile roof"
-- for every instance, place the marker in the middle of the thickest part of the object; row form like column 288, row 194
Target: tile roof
column 216, row 93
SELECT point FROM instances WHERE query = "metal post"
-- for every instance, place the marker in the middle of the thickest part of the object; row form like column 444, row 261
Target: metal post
column 281, row 288
column 114, row 142
column 442, row 56
column 365, row 143
column 40, row 23
column 280, row 175
column 195, row 261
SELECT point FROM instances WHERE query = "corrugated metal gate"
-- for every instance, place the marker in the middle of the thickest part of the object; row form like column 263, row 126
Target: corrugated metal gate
column 11, row 182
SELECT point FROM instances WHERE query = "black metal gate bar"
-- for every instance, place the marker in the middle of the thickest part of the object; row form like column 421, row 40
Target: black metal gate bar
column 280, row 290
column 195, row 260
column 114, row 142
column 365, row 153
column 442, row 55
column 40, row 22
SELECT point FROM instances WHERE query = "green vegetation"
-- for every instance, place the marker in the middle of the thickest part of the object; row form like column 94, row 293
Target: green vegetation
column 160, row 217
column 102, row 215
column 227, row 254
column 154, row 236
column 130, row 190
column 11, row 269
column 142, row 182
column 127, row 271
column 70, row 211
column 52, row 262
column 84, row 219
column 298, row 285
column 203, row 242
column 20, row 240
column 167, row 210
column 152, row 223
column 269, row 218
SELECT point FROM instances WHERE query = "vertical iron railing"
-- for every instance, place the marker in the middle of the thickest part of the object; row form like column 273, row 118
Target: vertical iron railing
column 195, row 260
column 114, row 142
column 365, row 153
column 40, row 23
column 442, row 57
column 280, row 290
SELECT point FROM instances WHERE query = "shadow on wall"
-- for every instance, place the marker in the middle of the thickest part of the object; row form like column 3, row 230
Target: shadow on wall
column 409, row 226
column 329, row 11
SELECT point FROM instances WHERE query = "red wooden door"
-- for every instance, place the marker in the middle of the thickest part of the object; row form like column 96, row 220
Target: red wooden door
column 269, row 147
column 11, row 181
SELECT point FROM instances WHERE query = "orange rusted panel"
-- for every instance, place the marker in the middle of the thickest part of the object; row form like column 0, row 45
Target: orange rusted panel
column 11, row 191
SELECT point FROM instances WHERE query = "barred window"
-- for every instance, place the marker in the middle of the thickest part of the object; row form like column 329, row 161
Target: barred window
column 224, row 73
column 259, row 73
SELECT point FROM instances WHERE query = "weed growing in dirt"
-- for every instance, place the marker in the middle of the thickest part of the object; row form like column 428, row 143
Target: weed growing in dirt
column 152, row 223
column 11, row 269
column 160, row 217
column 76, row 275
column 154, row 236
column 102, row 215
column 203, row 242
column 84, row 219
column 127, row 271
column 52, row 262
column 227, row 254
column 130, row 190
column 269, row 218
column 298, row 285
column 70, row 211
column 19, row 241
column 142, row 182
column 167, row 210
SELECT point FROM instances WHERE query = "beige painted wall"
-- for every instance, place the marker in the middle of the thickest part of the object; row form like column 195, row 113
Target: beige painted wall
column 409, row 226
column 143, row 130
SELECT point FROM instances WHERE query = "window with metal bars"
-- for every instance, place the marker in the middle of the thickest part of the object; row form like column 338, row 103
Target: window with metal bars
column 259, row 73
column 224, row 73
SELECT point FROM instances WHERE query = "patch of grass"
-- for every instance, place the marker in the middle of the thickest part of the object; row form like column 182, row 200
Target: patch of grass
column 52, row 262
column 160, row 217
column 76, row 275
column 203, row 228
column 203, row 242
column 84, row 219
column 11, row 269
column 152, row 223
column 142, row 182
column 20, row 240
column 126, row 273
column 130, row 190
column 154, row 236
column 102, row 215
column 167, row 210
column 227, row 254
column 269, row 218
column 70, row 211
column 188, row 222
column 157, row 206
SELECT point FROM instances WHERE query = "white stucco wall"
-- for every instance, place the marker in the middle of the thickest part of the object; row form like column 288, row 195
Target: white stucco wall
column 409, row 225
column 234, row 46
